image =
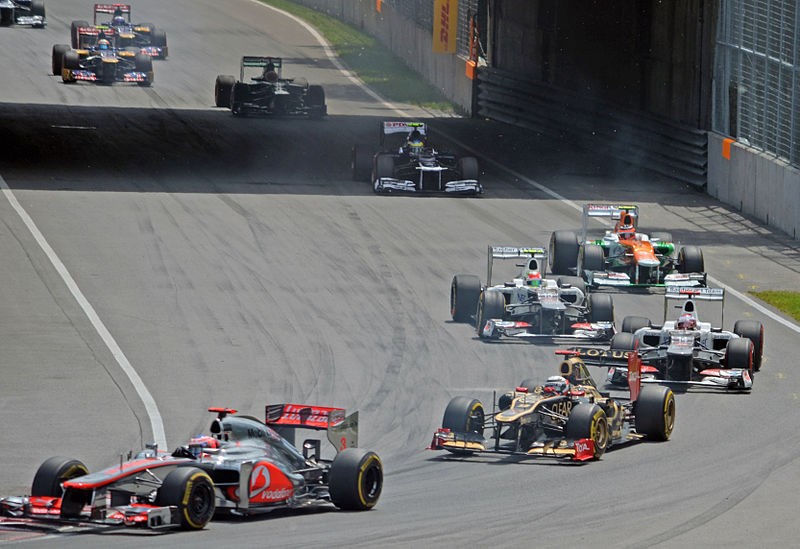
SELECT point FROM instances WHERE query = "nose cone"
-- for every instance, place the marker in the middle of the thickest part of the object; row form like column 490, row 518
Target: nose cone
column 646, row 259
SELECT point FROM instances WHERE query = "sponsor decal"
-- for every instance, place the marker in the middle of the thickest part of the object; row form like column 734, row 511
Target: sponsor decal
column 445, row 20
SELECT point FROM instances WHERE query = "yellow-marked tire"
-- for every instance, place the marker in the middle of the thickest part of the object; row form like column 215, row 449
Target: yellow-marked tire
column 54, row 471
column 355, row 479
column 191, row 490
column 589, row 421
column 655, row 412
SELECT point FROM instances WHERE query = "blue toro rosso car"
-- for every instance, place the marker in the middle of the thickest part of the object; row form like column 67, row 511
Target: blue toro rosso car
column 145, row 37
column 99, row 59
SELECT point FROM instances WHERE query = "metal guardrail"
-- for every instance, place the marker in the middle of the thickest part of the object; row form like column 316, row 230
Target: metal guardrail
column 655, row 143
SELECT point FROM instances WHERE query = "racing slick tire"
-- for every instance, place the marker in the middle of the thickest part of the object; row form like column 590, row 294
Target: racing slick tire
column 490, row 305
column 563, row 252
column 72, row 61
column 58, row 57
column 754, row 331
column 75, row 39
column 223, row 86
column 54, row 471
column 361, row 162
column 37, row 7
column 655, row 412
column 144, row 63
column 739, row 353
column 601, row 308
column 464, row 415
column 632, row 323
column 240, row 90
column 590, row 258
column 661, row 236
column 465, row 291
column 383, row 166
column 575, row 282
column 355, row 479
column 315, row 101
column 623, row 341
column 468, row 168
column 191, row 490
column 589, row 421
column 158, row 38
column 690, row 260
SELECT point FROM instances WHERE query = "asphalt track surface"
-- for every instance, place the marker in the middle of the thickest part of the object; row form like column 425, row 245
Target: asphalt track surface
column 235, row 263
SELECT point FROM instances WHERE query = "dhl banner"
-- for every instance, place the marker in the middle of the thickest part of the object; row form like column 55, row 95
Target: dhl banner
column 445, row 21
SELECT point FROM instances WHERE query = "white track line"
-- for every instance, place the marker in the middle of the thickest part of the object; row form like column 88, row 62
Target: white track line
column 156, row 423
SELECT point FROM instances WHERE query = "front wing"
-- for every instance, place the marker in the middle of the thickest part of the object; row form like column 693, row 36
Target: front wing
column 583, row 331
column 578, row 450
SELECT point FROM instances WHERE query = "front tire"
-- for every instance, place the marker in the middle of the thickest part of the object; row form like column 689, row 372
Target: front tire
column 468, row 168
column 589, row 421
column 223, row 87
column 590, row 258
column 191, row 490
column 355, row 479
column 464, row 415
column 58, row 57
column 754, row 331
column 315, row 100
column 491, row 304
column 655, row 412
column 465, row 291
column 601, row 308
column 54, row 471
column 690, row 260
column 632, row 323
column 739, row 353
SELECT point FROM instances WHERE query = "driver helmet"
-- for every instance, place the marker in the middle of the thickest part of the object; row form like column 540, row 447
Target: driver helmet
column 103, row 44
column 534, row 279
column 686, row 322
column 415, row 140
column 558, row 385
column 199, row 442
column 117, row 21
column 627, row 234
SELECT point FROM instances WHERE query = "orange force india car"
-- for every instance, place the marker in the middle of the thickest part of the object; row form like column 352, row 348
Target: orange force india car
column 624, row 257
column 566, row 418
column 243, row 466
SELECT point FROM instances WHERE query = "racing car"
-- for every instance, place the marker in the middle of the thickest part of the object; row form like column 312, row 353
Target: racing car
column 98, row 59
column 565, row 418
column 624, row 257
column 242, row 467
column 406, row 162
column 686, row 352
column 268, row 92
column 531, row 305
column 143, row 36
column 22, row 12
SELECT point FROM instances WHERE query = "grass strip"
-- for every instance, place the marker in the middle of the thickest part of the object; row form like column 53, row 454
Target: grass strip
column 785, row 301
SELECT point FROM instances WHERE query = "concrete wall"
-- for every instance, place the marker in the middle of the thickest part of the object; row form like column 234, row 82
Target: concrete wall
column 411, row 43
column 757, row 184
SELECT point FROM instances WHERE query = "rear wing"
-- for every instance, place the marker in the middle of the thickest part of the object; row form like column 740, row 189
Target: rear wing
column 515, row 252
column 88, row 36
column 389, row 127
column 682, row 294
column 260, row 62
column 342, row 430
column 111, row 9
column 608, row 211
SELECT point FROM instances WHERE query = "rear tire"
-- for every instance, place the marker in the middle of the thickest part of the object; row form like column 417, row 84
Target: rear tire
column 589, row 421
column 465, row 291
column 563, row 252
column 54, row 471
column 655, row 412
column 191, row 490
column 754, row 331
column 75, row 38
column 355, row 479
column 223, row 87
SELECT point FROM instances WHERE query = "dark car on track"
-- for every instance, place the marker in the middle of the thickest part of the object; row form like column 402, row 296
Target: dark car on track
column 242, row 466
column 567, row 417
column 268, row 92
column 22, row 12
column 406, row 162
column 99, row 59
